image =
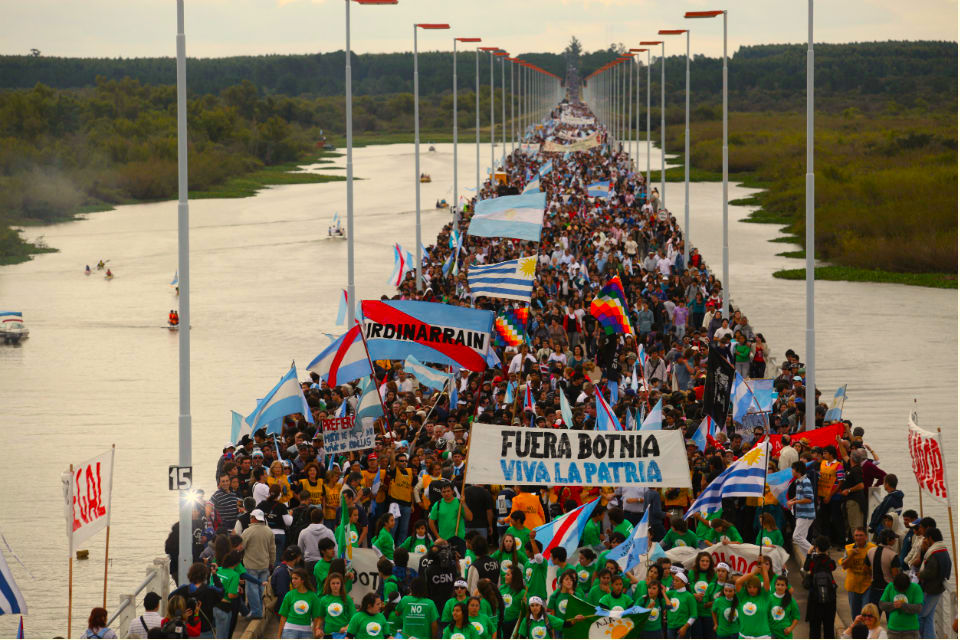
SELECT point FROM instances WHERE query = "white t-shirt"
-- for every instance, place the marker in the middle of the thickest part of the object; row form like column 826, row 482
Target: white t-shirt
column 136, row 629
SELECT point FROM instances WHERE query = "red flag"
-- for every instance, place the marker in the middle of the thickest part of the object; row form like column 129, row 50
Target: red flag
column 822, row 437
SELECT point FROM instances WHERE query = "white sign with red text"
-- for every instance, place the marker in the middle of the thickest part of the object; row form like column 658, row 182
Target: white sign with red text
column 87, row 490
column 927, row 458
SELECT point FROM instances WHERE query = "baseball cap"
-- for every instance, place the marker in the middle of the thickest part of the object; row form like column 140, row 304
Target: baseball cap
column 229, row 445
column 257, row 514
column 257, row 452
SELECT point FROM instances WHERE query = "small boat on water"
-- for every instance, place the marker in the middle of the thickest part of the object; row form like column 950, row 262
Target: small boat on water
column 442, row 204
column 12, row 329
column 87, row 271
column 425, row 177
column 109, row 275
column 336, row 231
column 432, row 148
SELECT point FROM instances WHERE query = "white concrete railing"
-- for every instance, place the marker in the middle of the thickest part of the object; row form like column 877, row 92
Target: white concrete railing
column 158, row 581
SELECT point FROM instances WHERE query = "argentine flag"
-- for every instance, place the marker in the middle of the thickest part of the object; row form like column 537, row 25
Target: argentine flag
column 519, row 217
column 565, row 410
column 654, row 420
column 599, row 190
column 369, row 406
column 284, row 399
column 545, row 169
column 744, row 478
column 533, row 186
column 342, row 309
column 627, row 553
column 428, row 376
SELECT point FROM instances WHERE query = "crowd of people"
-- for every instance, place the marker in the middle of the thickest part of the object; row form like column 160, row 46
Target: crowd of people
column 271, row 536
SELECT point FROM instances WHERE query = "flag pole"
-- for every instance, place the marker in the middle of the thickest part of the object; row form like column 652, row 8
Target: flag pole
column 424, row 423
column 463, row 483
column 70, row 557
column 763, row 492
column 106, row 551
column 919, row 488
column 946, row 485
column 373, row 377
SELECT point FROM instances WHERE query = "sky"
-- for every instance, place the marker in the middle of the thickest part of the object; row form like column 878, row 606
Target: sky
column 217, row 28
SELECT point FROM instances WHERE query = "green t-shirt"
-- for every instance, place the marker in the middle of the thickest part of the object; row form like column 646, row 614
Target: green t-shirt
column 416, row 544
column 584, row 577
column 713, row 536
column 521, row 536
column 301, row 608
column 447, row 615
column 674, row 539
column 611, row 602
column 625, row 528
column 781, row 616
column 416, row 616
column 726, row 627
column 683, row 606
column 591, row 534
column 390, row 586
column 657, row 607
column 354, row 535
column 384, row 542
column 595, row 594
column 558, row 603
column 364, row 625
column 230, row 580
column 336, row 612
column 506, row 560
column 512, row 602
column 320, row 571
column 702, row 529
column 445, row 515
column 770, row 538
column 537, row 629
column 896, row 619
column 754, row 613
column 483, row 626
column 536, row 576
column 701, row 584
column 465, row 632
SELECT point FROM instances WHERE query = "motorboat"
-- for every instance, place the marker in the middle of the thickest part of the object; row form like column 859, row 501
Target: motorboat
column 432, row 148
column 425, row 177
column 336, row 231
column 442, row 204
column 12, row 329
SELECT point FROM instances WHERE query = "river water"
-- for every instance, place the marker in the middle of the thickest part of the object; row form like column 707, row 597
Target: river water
column 100, row 367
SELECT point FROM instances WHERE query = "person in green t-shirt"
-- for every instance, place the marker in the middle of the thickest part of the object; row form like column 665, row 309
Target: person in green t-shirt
column 459, row 596
column 585, row 570
column 518, row 530
column 703, row 580
column 679, row 535
column 484, row 627
column 447, row 518
column 902, row 600
column 566, row 589
column 383, row 541
column 654, row 600
column 328, row 553
column 601, row 586
column 619, row 522
column 420, row 541
column 416, row 615
column 617, row 599
column 538, row 624
column 336, row 607
column 368, row 621
column 300, row 611
column 348, row 530
column 683, row 607
column 769, row 535
column 535, row 574
column 459, row 627
column 512, row 591
column 720, row 529
column 753, row 602
column 593, row 531
column 509, row 555
column 726, row 624
column 784, row 612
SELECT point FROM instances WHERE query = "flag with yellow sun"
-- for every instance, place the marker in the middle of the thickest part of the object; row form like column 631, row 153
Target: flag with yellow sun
column 615, row 623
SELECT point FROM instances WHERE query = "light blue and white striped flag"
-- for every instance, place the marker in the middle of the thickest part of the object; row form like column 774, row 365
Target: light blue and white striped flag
column 519, row 217
column 369, row 406
column 428, row 376
column 11, row 600
column 284, row 399
column 627, row 553
column 743, row 478
column 654, row 420
column 510, row 280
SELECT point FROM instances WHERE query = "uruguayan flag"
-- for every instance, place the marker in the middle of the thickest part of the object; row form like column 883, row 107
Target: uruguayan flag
column 743, row 399
column 518, row 217
column 428, row 376
column 512, row 280
column 11, row 600
column 285, row 398
column 743, row 478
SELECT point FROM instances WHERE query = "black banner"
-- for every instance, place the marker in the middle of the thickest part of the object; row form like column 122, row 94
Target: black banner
column 716, row 392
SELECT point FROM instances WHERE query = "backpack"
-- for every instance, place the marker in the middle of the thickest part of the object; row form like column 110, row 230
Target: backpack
column 819, row 582
column 404, row 577
column 174, row 629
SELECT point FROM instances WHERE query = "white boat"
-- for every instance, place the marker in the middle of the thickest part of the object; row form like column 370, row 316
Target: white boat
column 336, row 231
column 12, row 329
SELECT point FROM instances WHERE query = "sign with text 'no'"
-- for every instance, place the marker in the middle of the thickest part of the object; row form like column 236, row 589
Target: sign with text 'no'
column 521, row 455
column 87, row 491
column 344, row 434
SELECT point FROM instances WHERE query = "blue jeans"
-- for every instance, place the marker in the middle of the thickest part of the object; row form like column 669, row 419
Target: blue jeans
column 928, row 613
column 221, row 622
column 857, row 601
column 293, row 633
column 280, row 542
column 401, row 525
column 703, row 627
column 255, row 591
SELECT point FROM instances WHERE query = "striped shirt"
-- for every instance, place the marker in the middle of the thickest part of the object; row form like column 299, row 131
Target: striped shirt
column 226, row 505
column 805, row 491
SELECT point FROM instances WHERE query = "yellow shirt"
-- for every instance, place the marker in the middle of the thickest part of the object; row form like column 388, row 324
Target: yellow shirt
column 285, row 491
column 828, row 477
column 858, row 574
column 331, row 500
column 316, row 490
column 401, row 485
column 368, row 477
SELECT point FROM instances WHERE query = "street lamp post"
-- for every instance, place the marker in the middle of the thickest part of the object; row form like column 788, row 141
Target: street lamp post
column 810, row 412
column 348, row 108
column 416, row 140
column 686, row 147
column 493, row 123
column 726, row 251
column 456, row 190
column 637, row 141
column 503, row 55
column 663, row 162
column 476, row 95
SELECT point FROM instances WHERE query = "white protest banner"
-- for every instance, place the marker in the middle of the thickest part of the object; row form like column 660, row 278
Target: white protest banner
column 575, row 120
column 368, row 578
column 585, row 144
column 742, row 558
column 87, row 493
column 927, row 459
column 343, row 434
column 522, row 455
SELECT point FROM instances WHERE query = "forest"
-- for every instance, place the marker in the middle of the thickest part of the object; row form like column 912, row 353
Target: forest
column 80, row 134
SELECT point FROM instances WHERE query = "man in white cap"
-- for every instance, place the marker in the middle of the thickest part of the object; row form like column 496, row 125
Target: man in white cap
column 259, row 550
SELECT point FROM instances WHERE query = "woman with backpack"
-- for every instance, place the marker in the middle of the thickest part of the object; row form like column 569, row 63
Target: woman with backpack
column 818, row 581
column 97, row 625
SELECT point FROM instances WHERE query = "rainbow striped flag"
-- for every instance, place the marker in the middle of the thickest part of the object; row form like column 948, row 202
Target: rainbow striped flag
column 509, row 327
column 610, row 308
